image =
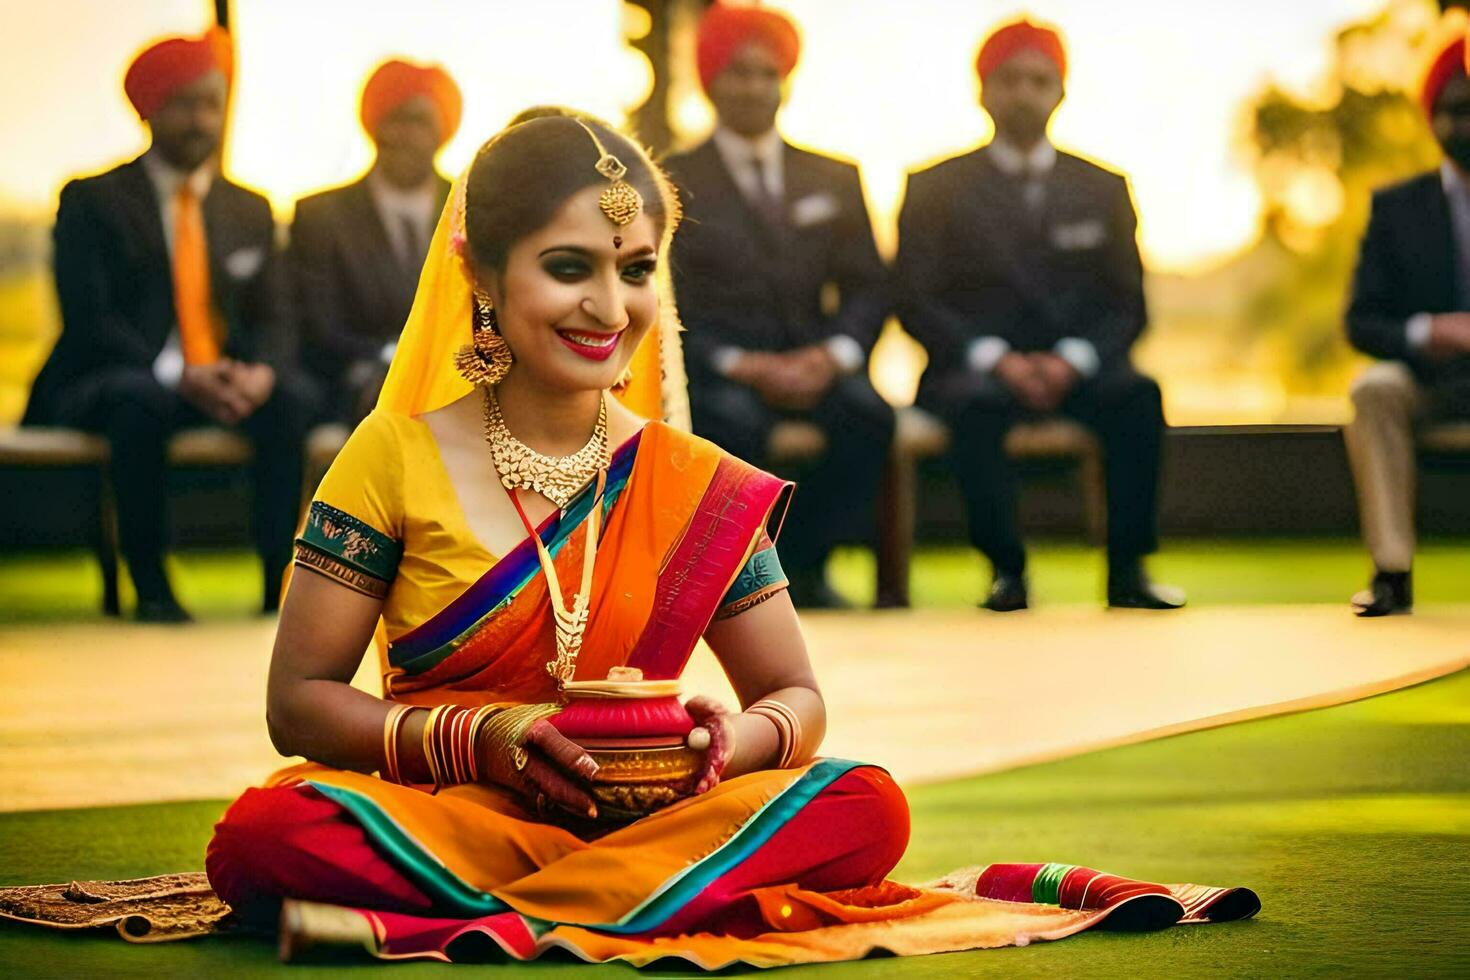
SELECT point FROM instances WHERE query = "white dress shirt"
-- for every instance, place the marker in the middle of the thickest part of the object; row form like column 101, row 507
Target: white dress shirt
column 751, row 161
column 168, row 366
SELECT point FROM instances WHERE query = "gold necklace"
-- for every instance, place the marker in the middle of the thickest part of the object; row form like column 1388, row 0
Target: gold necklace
column 557, row 478
column 571, row 620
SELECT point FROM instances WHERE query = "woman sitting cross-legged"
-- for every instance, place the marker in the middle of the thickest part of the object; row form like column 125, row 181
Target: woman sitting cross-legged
column 542, row 560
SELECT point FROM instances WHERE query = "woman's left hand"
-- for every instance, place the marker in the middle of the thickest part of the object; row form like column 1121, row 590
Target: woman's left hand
column 714, row 734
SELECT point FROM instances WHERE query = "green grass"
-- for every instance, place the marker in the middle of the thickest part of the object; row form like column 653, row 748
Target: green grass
column 1212, row 571
column 1352, row 823
column 66, row 586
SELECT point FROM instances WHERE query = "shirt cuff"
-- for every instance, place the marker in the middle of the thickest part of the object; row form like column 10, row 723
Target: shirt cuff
column 724, row 359
column 1418, row 329
column 985, row 353
column 1079, row 353
column 168, row 366
column 847, row 352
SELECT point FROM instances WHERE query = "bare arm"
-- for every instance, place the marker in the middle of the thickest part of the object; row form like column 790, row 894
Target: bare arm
column 764, row 655
column 312, row 709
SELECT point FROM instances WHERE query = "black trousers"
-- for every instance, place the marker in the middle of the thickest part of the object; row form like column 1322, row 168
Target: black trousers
column 835, row 498
column 137, row 415
column 1121, row 406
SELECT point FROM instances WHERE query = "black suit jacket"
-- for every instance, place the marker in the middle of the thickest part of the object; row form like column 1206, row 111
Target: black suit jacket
column 1407, row 265
column 114, row 279
column 352, row 291
column 742, row 282
column 974, row 260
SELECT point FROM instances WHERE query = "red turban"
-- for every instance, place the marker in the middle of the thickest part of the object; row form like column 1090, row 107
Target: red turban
column 1449, row 64
column 1010, row 40
column 394, row 82
column 725, row 30
column 168, row 65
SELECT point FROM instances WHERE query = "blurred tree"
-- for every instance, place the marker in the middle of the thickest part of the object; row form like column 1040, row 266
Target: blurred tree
column 1316, row 163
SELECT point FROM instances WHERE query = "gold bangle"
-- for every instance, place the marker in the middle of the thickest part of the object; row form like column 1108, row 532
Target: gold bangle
column 788, row 725
column 392, row 725
column 428, row 740
column 477, row 730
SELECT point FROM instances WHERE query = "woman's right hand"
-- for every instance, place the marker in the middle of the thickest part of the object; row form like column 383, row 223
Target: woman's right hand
column 545, row 767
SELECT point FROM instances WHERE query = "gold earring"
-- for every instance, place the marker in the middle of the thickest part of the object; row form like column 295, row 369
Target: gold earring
column 487, row 360
column 624, row 379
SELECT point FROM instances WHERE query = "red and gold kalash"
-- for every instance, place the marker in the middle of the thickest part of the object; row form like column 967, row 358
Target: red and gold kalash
column 639, row 735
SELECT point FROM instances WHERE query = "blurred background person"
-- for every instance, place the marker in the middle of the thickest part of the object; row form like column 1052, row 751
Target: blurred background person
column 170, row 316
column 1410, row 308
column 1021, row 277
column 782, row 290
column 356, row 250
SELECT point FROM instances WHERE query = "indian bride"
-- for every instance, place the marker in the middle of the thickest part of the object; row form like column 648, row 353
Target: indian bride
column 535, row 545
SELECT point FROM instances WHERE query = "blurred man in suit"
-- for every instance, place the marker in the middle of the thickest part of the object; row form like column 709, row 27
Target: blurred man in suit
column 356, row 250
column 170, row 316
column 782, row 290
column 1020, row 274
column 1410, row 308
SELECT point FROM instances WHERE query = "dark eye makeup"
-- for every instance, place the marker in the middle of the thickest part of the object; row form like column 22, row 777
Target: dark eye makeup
column 570, row 266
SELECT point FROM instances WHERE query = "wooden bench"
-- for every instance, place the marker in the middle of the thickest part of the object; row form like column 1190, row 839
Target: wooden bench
column 920, row 436
column 37, row 447
column 1445, row 438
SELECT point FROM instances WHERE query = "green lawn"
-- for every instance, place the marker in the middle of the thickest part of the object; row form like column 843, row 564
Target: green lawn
column 1352, row 823
column 67, row 586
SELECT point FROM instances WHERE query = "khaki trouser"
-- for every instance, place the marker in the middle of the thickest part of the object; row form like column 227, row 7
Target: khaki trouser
column 1388, row 401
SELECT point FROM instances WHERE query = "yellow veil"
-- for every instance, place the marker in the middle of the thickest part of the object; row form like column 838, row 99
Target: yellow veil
column 423, row 377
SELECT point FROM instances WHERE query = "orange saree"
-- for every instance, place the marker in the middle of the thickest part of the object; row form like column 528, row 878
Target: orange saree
column 769, row 868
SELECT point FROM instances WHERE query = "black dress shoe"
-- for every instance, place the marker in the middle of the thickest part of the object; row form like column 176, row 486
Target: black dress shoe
column 161, row 610
column 1389, row 593
column 1132, row 589
column 1007, row 593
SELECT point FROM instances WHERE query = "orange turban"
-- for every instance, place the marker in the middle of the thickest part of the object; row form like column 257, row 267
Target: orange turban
column 1449, row 64
column 725, row 30
column 1010, row 40
column 166, row 66
column 395, row 81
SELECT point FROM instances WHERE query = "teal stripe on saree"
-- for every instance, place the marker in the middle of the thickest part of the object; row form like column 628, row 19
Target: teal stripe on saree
column 452, row 894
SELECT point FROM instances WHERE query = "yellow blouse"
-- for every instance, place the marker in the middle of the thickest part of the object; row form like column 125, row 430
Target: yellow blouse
column 416, row 544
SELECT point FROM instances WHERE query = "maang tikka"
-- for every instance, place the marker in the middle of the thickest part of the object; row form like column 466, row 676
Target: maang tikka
column 621, row 201
column 487, row 359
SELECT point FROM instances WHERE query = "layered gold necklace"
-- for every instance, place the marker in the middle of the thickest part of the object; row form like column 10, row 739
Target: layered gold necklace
column 557, row 478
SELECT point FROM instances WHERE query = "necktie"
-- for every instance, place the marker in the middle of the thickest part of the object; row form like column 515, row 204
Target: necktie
column 198, row 335
column 1033, row 187
column 767, row 205
column 412, row 244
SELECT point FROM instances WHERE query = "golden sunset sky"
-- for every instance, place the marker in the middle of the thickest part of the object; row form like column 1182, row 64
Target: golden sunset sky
column 1156, row 89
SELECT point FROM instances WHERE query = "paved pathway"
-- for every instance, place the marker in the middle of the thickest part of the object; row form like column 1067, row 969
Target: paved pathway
column 96, row 714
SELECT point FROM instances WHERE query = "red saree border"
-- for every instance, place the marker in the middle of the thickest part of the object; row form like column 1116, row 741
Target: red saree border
column 739, row 502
